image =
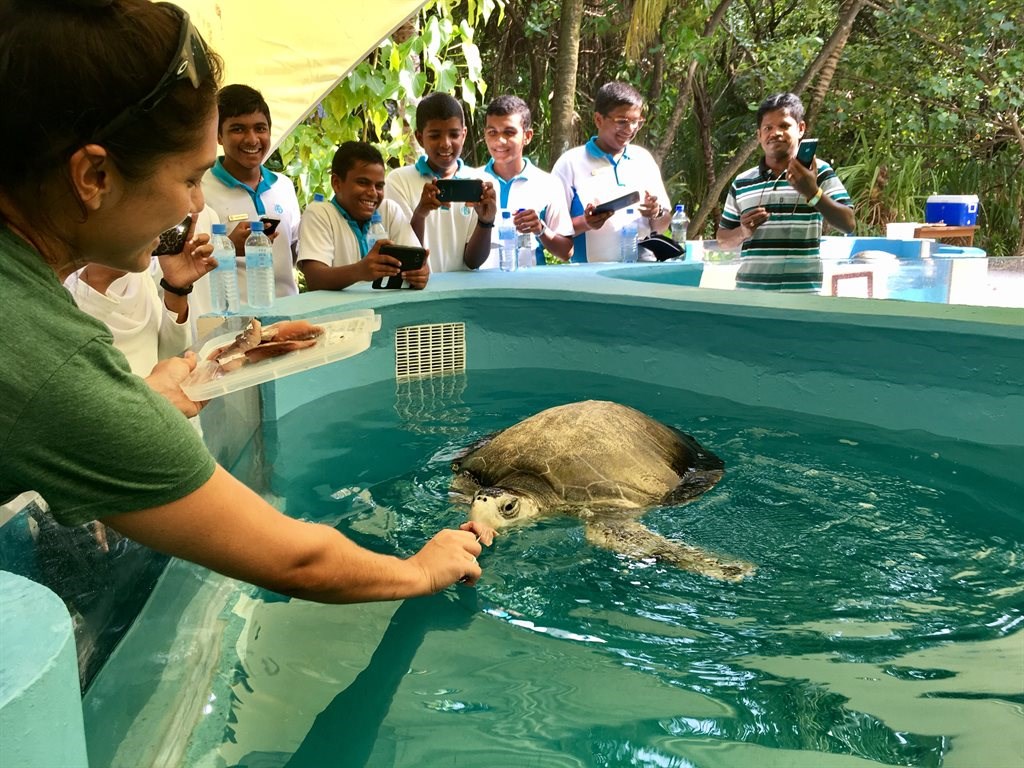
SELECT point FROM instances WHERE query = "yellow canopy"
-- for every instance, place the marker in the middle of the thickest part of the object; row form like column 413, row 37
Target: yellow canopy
column 294, row 51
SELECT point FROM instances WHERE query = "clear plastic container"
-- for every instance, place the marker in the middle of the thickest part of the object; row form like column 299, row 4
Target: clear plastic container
column 344, row 335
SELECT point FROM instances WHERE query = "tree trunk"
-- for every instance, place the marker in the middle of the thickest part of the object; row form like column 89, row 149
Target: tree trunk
column 566, row 64
column 824, row 81
column 725, row 176
column 683, row 99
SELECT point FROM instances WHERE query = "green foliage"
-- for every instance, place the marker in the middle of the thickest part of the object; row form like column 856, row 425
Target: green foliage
column 376, row 102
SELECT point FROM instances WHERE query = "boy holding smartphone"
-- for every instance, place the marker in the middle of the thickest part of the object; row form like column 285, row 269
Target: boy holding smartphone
column 535, row 197
column 607, row 167
column 241, row 190
column 334, row 251
column 775, row 210
column 458, row 234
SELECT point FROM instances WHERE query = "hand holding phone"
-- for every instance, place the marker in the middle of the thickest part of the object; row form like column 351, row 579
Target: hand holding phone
column 269, row 225
column 172, row 241
column 806, row 151
column 411, row 257
column 611, row 206
column 459, row 190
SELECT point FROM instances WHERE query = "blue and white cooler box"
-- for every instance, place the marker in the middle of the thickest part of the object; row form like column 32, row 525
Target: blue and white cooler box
column 952, row 210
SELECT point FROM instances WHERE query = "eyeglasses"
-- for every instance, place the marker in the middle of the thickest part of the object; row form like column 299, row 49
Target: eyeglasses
column 189, row 63
column 628, row 125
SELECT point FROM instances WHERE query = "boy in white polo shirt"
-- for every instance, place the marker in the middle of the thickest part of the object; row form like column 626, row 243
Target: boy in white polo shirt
column 535, row 197
column 609, row 166
column 333, row 246
column 458, row 235
column 241, row 190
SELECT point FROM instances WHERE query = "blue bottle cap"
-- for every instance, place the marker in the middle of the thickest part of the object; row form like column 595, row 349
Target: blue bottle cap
column 256, row 226
column 220, row 229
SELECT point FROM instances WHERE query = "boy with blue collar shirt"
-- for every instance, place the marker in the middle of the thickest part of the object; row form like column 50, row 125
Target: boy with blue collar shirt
column 535, row 197
column 241, row 190
column 334, row 252
column 458, row 235
column 609, row 166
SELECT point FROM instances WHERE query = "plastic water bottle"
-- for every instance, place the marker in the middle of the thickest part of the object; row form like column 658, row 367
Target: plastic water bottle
column 376, row 231
column 628, row 250
column 259, row 268
column 526, row 248
column 224, row 279
column 507, row 243
column 680, row 223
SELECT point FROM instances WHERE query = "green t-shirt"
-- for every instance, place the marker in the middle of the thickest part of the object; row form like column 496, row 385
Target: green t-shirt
column 76, row 425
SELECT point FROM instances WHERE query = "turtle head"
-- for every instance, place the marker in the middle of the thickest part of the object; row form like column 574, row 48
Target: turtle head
column 500, row 508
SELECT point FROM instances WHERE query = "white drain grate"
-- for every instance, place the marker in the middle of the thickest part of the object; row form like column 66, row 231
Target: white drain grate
column 428, row 350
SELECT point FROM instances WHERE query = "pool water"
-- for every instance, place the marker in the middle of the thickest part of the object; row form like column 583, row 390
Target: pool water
column 883, row 626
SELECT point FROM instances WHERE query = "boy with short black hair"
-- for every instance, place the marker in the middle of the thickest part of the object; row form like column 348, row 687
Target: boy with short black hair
column 333, row 249
column 775, row 210
column 241, row 190
column 535, row 197
column 458, row 235
column 609, row 166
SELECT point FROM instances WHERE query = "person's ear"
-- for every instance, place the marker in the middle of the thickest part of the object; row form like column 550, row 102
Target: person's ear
column 336, row 181
column 89, row 168
column 527, row 136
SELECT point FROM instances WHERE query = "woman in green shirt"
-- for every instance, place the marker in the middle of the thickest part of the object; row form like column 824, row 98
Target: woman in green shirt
column 106, row 149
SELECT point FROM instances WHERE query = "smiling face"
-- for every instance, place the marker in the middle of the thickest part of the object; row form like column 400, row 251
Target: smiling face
column 362, row 189
column 779, row 134
column 246, row 141
column 506, row 139
column 123, row 231
column 442, row 142
column 617, row 128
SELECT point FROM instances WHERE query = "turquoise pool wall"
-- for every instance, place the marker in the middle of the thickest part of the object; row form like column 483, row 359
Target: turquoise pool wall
column 954, row 371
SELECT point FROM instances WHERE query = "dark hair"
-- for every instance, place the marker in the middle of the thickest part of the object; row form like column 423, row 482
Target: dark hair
column 352, row 152
column 66, row 72
column 616, row 94
column 234, row 100
column 510, row 105
column 438, row 106
column 788, row 101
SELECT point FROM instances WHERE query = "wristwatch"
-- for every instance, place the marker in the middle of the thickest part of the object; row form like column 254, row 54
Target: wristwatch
column 176, row 291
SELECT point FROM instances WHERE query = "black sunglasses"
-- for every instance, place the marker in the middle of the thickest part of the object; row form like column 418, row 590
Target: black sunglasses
column 189, row 63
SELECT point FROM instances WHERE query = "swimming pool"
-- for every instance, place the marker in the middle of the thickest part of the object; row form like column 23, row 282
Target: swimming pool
column 872, row 453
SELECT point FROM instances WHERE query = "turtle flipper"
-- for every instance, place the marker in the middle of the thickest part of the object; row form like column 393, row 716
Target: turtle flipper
column 692, row 485
column 633, row 539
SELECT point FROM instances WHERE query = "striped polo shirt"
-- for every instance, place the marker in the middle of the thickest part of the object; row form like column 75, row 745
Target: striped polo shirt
column 783, row 253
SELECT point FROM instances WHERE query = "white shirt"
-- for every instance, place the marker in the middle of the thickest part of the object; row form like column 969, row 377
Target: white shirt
column 144, row 330
column 325, row 235
column 274, row 196
column 589, row 175
column 445, row 232
column 533, row 189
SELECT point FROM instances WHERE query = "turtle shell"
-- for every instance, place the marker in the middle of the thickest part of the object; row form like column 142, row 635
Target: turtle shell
column 595, row 454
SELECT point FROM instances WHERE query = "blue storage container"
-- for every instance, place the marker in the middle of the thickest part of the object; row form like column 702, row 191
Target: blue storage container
column 952, row 210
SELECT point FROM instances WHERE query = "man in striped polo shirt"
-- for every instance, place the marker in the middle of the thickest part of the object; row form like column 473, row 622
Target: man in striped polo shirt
column 776, row 209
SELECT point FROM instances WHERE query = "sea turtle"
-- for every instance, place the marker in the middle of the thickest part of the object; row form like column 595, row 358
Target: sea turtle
column 602, row 462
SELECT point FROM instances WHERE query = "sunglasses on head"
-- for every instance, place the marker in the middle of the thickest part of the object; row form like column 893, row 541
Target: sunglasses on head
column 190, row 63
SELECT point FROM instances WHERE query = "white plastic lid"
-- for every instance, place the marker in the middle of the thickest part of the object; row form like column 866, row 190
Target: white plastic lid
column 344, row 335
column 952, row 198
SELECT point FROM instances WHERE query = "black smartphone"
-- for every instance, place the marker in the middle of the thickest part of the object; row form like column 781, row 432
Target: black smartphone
column 172, row 241
column 269, row 225
column 805, row 153
column 411, row 257
column 459, row 190
column 617, row 203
